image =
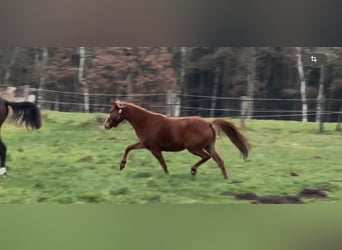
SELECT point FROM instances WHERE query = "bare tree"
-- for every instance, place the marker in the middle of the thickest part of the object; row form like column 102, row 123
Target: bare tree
column 81, row 78
column 41, row 59
column 320, row 95
column 216, row 84
column 251, row 80
column 183, row 64
column 10, row 65
column 302, row 84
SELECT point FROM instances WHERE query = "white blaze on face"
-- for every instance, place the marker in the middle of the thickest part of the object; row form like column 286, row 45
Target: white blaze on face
column 106, row 122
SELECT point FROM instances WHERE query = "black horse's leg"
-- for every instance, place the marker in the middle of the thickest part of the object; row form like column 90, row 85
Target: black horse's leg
column 137, row 145
column 2, row 154
column 3, row 169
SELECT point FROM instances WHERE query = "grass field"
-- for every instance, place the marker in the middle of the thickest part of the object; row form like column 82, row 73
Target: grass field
column 72, row 159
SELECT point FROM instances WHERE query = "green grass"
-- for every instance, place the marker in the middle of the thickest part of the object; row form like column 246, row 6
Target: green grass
column 72, row 159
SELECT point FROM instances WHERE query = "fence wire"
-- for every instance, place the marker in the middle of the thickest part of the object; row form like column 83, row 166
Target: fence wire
column 200, row 105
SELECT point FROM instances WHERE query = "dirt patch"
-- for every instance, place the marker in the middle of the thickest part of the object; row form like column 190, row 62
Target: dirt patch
column 121, row 191
column 269, row 199
column 86, row 158
column 155, row 199
column 100, row 119
column 86, row 124
column 142, row 175
column 38, row 186
column 281, row 199
column 246, row 196
column 312, row 193
column 227, row 193
column 91, row 198
column 293, row 174
column 277, row 199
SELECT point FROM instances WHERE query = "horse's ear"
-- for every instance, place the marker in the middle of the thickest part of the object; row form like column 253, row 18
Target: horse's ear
column 120, row 105
column 113, row 101
column 117, row 103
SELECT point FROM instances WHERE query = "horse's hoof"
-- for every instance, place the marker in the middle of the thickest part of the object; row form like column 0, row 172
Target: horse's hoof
column 3, row 171
column 193, row 172
column 122, row 165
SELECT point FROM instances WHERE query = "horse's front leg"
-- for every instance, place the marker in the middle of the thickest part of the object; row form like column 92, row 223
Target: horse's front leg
column 137, row 145
column 3, row 169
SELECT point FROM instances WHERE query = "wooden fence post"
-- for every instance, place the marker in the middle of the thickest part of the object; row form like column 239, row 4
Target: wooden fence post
column 321, row 117
column 56, row 104
column 169, row 103
column 26, row 92
column 339, row 119
column 176, row 105
column 173, row 103
column 243, row 112
column 40, row 98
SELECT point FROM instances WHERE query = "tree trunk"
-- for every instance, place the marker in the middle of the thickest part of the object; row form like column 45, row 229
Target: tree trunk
column 10, row 65
column 182, row 75
column 82, row 80
column 320, row 95
column 251, row 81
column 243, row 110
column 169, row 103
column 183, row 51
column 133, row 74
column 41, row 68
column 302, row 84
column 129, row 97
column 339, row 119
column 215, row 90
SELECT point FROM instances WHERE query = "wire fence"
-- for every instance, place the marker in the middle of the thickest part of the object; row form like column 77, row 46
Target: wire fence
column 179, row 104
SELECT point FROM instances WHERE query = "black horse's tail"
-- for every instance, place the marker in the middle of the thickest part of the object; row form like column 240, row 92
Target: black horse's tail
column 25, row 113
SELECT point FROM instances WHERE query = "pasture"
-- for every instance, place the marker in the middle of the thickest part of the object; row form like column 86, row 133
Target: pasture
column 73, row 159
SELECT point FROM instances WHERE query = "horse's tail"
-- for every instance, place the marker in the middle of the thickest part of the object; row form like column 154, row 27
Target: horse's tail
column 234, row 135
column 25, row 113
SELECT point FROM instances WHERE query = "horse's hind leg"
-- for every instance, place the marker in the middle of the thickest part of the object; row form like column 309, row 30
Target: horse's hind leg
column 201, row 153
column 159, row 156
column 218, row 160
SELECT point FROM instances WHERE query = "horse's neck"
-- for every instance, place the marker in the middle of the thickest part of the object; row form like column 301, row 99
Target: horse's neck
column 138, row 118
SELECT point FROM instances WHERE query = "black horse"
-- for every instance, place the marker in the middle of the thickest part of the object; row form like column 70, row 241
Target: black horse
column 23, row 113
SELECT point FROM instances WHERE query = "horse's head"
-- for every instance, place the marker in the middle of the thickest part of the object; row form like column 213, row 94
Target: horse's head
column 116, row 115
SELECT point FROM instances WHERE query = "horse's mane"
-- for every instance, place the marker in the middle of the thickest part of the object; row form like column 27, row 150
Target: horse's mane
column 128, row 104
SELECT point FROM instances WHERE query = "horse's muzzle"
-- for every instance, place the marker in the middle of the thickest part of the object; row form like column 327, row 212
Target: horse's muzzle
column 107, row 124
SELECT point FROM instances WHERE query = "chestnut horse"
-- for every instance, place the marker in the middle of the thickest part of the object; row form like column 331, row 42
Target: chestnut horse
column 23, row 113
column 157, row 133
